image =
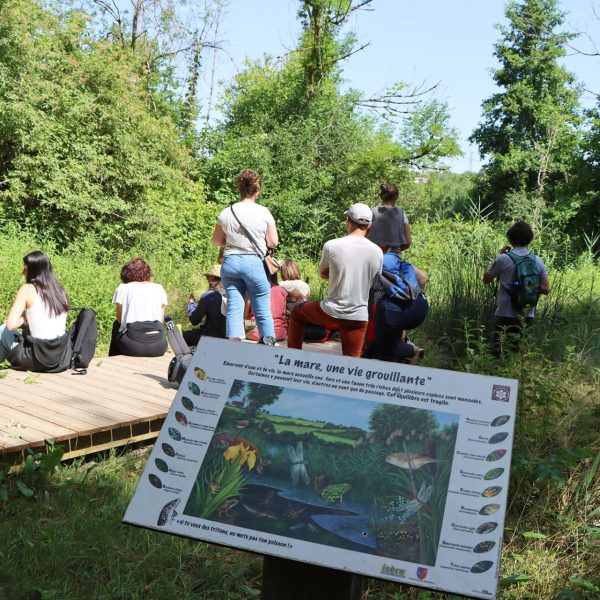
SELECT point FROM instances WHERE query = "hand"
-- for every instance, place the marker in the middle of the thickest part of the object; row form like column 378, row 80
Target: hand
column 505, row 249
column 191, row 298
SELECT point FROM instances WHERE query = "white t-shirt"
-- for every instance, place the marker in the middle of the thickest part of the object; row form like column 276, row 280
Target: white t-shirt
column 140, row 301
column 352, row 261
column 296, row 285
column 256, row 220
column 41, row 324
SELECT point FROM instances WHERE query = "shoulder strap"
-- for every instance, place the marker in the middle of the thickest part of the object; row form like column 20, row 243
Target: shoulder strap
column 514, row 257
column 248, row 235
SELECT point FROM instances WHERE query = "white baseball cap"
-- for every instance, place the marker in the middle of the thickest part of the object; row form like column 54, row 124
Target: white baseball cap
column 360, row 213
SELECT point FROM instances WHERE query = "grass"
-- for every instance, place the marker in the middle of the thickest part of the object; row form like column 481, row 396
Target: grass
column 67, row 541
column 70, row 544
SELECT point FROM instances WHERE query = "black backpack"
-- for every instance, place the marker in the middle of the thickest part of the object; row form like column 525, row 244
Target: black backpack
column 84, row 334
column 183, row 353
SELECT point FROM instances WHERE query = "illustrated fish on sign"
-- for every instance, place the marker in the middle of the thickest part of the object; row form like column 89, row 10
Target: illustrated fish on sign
column 489, row 509
column 400, row 460
column 298, row 464
column 242, row 424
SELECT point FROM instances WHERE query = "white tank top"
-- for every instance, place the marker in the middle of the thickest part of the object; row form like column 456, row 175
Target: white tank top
column 41, row 324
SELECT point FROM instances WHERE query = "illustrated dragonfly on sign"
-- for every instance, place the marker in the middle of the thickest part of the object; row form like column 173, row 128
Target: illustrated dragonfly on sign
column 298, row 464
column 412, row 507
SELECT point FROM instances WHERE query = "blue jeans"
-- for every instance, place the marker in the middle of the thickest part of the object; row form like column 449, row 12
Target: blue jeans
column 241, row 273
column 8, row 341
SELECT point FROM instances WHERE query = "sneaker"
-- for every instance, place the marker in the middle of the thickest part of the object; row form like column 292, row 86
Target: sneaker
column 267, row 340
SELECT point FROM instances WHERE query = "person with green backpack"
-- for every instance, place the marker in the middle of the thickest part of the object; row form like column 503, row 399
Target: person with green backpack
column 522, row 277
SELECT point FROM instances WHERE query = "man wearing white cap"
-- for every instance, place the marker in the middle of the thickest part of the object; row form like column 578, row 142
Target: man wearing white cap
column 350, row 264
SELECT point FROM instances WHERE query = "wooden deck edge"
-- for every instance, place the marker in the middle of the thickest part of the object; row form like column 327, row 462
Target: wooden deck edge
column 82, row 444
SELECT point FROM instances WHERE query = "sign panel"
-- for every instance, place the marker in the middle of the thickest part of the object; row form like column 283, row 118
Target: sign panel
column 382, row 469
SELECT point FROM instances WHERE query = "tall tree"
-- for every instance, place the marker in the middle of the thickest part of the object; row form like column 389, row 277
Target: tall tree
column 82, row 152
column 314, row 146
column 529, row 130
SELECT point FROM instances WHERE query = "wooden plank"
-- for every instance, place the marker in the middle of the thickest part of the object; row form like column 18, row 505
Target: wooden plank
column 109, row 384
column 67, row 415
column 54, row 393
column 149, row 398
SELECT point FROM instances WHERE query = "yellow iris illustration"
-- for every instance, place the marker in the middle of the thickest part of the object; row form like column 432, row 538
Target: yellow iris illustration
column 244, row 453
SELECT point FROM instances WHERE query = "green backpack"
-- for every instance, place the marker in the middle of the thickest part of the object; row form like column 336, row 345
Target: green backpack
column 524, row 290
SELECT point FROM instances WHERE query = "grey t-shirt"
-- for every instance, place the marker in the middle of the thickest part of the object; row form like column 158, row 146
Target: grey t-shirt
column 388, row 228
column 352, row 261
column 503, row 268
column 255, row 218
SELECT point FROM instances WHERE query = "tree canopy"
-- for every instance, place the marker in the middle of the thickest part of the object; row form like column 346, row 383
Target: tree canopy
column 529, row 130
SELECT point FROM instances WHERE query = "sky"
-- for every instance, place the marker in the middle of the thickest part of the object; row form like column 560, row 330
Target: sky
column 422, row 41
column 348, row 411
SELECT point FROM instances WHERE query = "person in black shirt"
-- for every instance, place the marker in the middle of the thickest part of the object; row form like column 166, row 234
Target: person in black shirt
column 210, row 307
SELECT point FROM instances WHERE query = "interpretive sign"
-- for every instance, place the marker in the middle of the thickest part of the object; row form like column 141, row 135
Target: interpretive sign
column 382, row 469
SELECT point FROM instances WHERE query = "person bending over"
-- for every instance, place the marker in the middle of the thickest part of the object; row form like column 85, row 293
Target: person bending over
column 394, row 316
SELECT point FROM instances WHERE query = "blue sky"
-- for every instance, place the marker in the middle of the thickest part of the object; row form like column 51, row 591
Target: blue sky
column 414, row 41
column 335, row 409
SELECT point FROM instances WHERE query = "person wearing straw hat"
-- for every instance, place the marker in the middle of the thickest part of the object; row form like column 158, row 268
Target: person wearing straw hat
column 211, row 307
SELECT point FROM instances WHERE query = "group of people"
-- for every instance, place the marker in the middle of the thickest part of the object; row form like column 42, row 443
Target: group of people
column 353, row 265
column 374, row 296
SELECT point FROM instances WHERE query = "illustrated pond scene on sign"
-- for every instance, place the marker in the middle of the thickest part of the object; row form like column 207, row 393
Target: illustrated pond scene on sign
column 343, row 472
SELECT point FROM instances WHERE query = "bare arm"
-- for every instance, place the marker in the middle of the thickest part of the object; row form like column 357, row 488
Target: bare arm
column 324, row 273
column 219, row 238
column 487, row 278
column 421, row 276
column 407, row 236
column 271, row 237
column 119, row 312
column 544, row 286
column 16, row 315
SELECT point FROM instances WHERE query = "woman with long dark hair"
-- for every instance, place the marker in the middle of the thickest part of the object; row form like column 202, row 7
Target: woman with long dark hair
column 40, row 308
column 140, row 307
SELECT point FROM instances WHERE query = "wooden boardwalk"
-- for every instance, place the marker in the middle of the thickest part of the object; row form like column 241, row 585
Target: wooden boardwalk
column 121, row 399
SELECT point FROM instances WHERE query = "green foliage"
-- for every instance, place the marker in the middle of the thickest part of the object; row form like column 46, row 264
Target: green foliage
column 206, row 497
column 81, row 152
column 314, row 147
column 529, row 130
column 33, row 475
column 384, row 419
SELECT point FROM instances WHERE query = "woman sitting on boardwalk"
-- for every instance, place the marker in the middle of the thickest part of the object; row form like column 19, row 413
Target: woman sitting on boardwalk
column 40, row 308
column 138, row 329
